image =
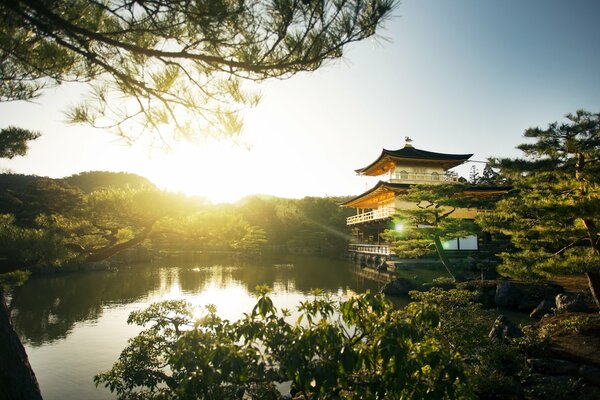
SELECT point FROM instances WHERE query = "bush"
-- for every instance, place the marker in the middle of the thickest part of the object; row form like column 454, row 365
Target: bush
column 356, row 349
column 493, row 369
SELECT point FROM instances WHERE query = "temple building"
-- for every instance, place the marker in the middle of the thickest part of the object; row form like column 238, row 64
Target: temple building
column 398, row 170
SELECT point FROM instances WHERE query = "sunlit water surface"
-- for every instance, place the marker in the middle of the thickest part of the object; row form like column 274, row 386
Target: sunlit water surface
column 74, row 325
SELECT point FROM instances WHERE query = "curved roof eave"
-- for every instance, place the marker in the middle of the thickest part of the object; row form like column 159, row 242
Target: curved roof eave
column 387, row 185
column 411, row 153
column 396, row 187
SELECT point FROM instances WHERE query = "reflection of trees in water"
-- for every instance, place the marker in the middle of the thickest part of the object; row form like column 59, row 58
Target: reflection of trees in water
column 47, row 307
column 300, row 274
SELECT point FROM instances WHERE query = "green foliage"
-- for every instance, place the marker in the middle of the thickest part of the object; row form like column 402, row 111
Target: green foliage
column 553, row 215
column 44, row 196
column 173, row 67
column 312, row 224
column 93, row 215
column 431, row 218
column 465, row 324
column 491, row 177
column 51, row 222
column 14, row 141
column 464, row 327
column 94, row 180
column 567, row 324
column 488, row 177
column 356, row 349
column 430, row 221
column 14, row 278
column 21, row 247
column 442, row 280
column 221, row 229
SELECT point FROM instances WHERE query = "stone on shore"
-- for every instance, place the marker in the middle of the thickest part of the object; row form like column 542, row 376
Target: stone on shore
column 398, row 287
column 504, row 328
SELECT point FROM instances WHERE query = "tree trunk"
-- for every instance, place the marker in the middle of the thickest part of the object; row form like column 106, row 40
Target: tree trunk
column 105, row 253
column 17, row 379
column 594, row 283
column 440, row 250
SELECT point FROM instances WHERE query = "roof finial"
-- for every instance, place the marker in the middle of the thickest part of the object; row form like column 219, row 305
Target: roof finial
column 408, row 141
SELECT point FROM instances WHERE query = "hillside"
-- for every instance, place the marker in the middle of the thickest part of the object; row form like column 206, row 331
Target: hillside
column 92, row 180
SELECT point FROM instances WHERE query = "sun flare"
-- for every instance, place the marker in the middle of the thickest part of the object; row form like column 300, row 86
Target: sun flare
column 213, row 170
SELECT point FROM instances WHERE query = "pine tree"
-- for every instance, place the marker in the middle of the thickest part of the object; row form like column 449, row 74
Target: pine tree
column 553, row 216
column 172, row 65
column 474, row 175
column 14, row 141
column 490, row 177
column 430, row 218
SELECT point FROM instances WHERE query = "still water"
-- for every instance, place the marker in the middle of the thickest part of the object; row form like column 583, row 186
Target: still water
column 74, row 325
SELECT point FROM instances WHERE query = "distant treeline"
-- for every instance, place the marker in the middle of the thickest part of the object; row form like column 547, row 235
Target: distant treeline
column 94, row 215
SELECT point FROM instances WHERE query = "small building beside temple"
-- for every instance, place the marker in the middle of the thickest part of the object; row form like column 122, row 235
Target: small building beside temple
column 398, row 170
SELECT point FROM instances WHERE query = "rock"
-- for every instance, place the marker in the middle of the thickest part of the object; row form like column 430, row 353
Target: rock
column 533, row 294
column 553, row 366
column 545, row 307
column 507, row 295
column 570, row 302
column 503, row 328
column 397, row 287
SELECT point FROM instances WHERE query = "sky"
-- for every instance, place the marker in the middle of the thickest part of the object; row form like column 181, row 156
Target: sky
column 463, row 76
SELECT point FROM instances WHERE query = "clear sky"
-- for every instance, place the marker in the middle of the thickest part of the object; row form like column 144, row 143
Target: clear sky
column 464, row 76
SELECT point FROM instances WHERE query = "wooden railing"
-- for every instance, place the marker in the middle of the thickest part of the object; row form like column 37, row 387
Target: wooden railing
column 381, row 213
column 382, row 249
column 421, row 177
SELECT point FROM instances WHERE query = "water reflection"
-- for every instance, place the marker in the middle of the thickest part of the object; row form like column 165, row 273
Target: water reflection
column 47, row 308
column 74, row 325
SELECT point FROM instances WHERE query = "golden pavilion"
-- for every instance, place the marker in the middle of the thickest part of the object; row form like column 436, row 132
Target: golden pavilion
column 398, row 170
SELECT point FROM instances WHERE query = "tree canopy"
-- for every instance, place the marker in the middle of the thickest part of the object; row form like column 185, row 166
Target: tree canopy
column 94, row 215
column 14, row 141
column 172, row 64
column 553, row 216
column 429, row 219
column 361, row 348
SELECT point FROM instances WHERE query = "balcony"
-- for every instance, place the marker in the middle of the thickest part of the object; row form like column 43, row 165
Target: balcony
column 380, row 249
column 413, row 177
column 381, row 213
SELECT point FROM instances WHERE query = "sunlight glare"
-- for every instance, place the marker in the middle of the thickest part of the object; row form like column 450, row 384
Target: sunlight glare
column 212, row 170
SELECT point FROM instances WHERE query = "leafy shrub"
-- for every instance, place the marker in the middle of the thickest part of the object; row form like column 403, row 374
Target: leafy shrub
column 464, row 328
column 356, row 349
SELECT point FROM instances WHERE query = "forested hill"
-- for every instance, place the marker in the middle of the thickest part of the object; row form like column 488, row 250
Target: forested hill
column 16, row 182
column 92, row 180
column 94, row 215
column 85, row 181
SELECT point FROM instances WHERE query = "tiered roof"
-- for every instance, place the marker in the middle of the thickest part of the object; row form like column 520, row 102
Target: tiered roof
column 384, row 191
column 389, row 158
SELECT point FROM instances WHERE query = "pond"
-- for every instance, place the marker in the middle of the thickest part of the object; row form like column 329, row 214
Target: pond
column 74, row 325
